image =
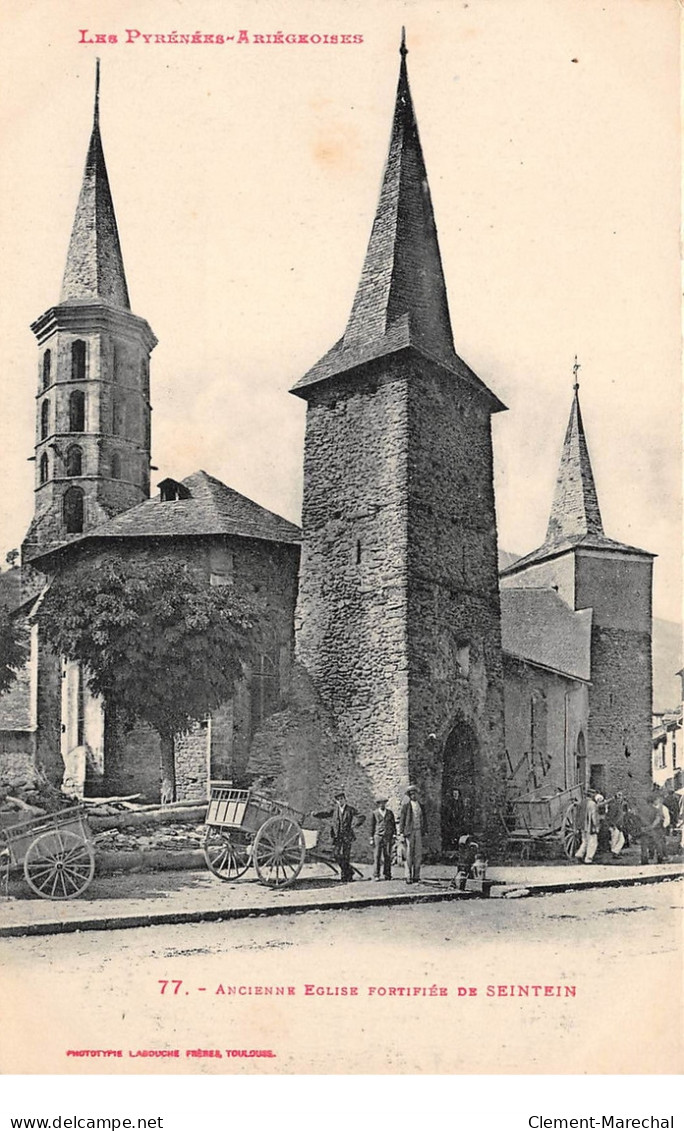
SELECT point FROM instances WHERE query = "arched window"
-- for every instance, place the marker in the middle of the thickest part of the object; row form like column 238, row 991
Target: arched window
column 78, row 360
column 74, row 461
column 44, row 468
column 116, row 465
column 73, row 510
column 44, row 419
column 77, row 412
column 47, row 367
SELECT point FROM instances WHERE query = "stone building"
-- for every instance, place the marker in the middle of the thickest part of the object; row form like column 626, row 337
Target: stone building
column 407, row 656
column 398, row 619
column 92, row 446
column 588, row 570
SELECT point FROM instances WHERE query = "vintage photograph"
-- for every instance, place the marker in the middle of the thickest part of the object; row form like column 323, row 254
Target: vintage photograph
column 341, row 672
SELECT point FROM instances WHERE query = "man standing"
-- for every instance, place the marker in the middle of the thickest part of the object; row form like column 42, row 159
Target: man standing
column 382, row 832
column 652, row 836
column 345, row 818
column 412, row 829
column 590, row 828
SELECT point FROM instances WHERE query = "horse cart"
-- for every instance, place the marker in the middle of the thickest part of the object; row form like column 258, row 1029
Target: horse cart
column 55, row 851
column 539, row 819
column 245, row 828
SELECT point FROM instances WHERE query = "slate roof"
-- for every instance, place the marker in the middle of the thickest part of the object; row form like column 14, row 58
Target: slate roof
column 401, row 300
column 575, row 520
column 212, row 508
column 94, row 268
column 537, row 625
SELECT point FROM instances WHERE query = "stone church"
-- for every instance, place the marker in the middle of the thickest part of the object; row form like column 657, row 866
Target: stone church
column 395, row 649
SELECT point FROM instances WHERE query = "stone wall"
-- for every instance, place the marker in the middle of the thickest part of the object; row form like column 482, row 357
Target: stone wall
column 398, row 620
column 351, row 632
column 267, row 573
column 454, row 620
column 562, row 710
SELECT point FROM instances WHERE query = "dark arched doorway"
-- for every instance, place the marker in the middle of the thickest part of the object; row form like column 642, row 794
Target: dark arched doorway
column 459, row 794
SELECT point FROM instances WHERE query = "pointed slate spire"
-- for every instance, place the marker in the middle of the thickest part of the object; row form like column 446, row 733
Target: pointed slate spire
column 402, row 272
column 94, row 269
column 575, row 510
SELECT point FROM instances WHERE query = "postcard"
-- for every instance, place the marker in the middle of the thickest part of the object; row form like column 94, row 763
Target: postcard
column 340, row 599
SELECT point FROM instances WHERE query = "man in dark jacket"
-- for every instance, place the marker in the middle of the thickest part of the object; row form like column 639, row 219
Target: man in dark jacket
column 382, row 832
column 412, row 829
column 344, row 819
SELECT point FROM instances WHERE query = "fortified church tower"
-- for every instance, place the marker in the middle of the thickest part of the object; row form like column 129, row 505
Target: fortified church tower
column 92, row 448
column 591, row 571
column 398, row 620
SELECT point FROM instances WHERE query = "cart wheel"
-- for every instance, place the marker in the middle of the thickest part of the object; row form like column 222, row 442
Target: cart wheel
column 571, row 833
column 228, row 852
column 279, row 852
column 59, row 864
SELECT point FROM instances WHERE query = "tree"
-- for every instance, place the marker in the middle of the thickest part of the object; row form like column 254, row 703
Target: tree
column 156, row 641
column 13, row 647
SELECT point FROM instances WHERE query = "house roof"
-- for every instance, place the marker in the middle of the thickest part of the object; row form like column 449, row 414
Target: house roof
column 210, row 508
column 538, row 626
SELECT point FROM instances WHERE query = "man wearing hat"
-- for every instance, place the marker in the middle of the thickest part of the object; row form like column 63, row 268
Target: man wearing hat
column 412, row 829
column 344, row 819
column 382, row 832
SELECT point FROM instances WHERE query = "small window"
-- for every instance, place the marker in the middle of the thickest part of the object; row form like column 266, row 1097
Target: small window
column 74, row 461
column 73, row 510
column 78, row 361
column 47, row 367
column 44, row 419
column 44, row 468
column 115, row 465
column 77, row 412
column 358, row 551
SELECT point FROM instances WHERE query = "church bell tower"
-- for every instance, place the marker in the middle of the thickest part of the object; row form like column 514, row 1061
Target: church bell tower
column 398, row 616
column 92, row 446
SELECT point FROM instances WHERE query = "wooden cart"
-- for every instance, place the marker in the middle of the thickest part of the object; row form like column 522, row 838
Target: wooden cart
column 55, row 851
column 245, row 828
column 538, row 818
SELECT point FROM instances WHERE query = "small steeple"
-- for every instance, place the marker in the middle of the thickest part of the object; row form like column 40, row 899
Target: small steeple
column 575, row 510
column 402, row 272
column 94, row 269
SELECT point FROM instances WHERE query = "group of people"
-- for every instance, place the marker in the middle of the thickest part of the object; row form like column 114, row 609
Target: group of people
column 385, row 833
column 609, row 826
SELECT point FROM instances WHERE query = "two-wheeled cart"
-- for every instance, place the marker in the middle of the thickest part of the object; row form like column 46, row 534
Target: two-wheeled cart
column 540, row 818
column 55, row 851
column 245, row 828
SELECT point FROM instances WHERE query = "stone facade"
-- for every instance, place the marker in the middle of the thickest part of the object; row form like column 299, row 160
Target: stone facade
column 546, row 727
column 219, row 748
column 616, row 586
column 98, row 450
column 398, row 611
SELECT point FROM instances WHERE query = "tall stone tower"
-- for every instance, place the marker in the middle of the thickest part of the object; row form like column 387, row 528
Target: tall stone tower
column 92, row 448
column 592, row 571
column 398, row 619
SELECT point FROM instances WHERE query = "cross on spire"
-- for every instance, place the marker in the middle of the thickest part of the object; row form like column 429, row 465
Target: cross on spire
column 96, row 111
column 575, row 370
column 403, row 49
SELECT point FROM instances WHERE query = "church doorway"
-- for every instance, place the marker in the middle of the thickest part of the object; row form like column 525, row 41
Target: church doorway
column 459, row 790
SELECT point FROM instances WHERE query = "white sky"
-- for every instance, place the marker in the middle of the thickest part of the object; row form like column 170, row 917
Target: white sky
column 245, row 179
